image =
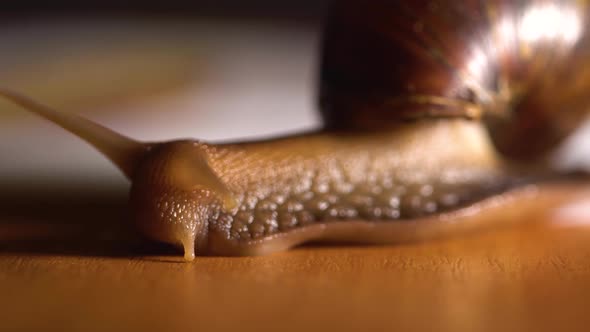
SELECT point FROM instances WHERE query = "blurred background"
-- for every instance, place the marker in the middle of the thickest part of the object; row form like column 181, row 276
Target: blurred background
column 154, row 70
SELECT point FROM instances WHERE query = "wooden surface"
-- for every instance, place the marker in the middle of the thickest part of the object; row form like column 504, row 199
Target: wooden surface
column 520, row 279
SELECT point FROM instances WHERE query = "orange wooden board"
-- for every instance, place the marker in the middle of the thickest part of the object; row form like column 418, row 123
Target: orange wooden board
column 527, row 278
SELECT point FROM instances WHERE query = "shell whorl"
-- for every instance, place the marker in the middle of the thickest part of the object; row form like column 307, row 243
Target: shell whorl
column 521, row 65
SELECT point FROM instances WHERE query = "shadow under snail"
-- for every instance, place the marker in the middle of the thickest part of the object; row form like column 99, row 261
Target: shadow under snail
column 437, row 118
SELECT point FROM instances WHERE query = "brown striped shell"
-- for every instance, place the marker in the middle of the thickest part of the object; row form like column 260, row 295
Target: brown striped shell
column 521, row 65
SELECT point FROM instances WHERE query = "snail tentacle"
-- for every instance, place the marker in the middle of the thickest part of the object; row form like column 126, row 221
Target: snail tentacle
column 123, row 151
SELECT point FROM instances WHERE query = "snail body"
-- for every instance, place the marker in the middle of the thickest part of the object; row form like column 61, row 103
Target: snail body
column 264, row 189
column 406, row 153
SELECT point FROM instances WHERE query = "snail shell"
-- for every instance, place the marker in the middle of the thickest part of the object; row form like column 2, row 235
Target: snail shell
column 521, row 65
column 407, row 91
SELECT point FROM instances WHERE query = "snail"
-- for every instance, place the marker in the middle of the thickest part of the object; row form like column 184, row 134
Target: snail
column 437, row 116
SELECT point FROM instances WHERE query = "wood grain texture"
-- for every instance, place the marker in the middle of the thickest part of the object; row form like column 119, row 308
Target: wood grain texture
column 529, row 278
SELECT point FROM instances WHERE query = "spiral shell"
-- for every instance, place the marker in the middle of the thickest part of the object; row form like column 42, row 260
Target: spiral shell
column 522, row 66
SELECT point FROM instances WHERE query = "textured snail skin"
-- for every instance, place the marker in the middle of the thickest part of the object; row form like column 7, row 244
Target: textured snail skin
column 522, row 205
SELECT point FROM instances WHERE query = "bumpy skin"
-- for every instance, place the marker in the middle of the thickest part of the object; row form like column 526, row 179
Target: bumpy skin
column 241, row 194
